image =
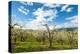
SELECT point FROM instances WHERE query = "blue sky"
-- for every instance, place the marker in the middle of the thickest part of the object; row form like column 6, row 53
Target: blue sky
column 33, row 15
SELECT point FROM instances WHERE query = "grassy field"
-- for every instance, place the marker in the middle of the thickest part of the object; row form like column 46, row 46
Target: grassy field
column 38, row 40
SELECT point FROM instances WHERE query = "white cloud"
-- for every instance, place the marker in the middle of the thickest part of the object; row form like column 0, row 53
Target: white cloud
column 51, row 5
column 23, row 10
column 69, row 9
column 66, row 8
column 59, row 26
column 66, row 25
column 40, row 20
column 34, row 24
column 73, row 19
column 27, row 3
column 41, row 14
column 53, row 15
column 23, row 3
column 70, row 22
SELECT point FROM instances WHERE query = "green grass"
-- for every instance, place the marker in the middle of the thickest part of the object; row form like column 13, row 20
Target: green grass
column 36, row 46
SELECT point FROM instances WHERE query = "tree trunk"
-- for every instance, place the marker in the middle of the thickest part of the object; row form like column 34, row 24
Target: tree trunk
column 50, row 38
